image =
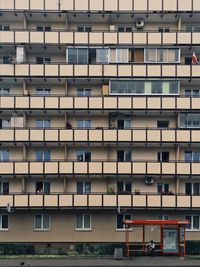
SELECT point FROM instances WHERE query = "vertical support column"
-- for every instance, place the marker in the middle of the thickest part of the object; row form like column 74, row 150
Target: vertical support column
column 65, row 119
column 23, row 186
column 25, row 22
column 24, row 120
column 24, row 152
column 25, row 90
column 179, row 23
column 65, row 152
column 177, row 185
column 65, row 184
column 66, row 22
column 66, row 86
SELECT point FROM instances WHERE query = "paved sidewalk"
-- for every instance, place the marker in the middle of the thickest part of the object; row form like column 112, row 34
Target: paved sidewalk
column 135, row 262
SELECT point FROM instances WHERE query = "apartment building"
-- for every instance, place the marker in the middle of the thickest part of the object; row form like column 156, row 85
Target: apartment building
column 100, row 118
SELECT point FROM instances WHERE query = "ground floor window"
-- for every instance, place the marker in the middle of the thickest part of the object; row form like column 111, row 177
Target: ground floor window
column 83, row 222
column 3, row 222
column 42, row 222
column 194, row 222
column 121, row 218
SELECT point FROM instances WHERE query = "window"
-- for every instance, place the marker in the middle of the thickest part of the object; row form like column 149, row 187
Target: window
column 121, row 55
column 101, row 55
column 162, row 124
column 43, row 91
column 123, row 156
column 4, row 27
column 83, row 187
column 130, row 87
column 42, row 188
column 83, row 124
column 4, row 188
column 5, row 123
column 83, row 92
column 192, row 92
column 194, row 222
column 84, row 28
column 77, row 55
column 163, row 29
column 162, row 188
column 124, row 124
column 42, row 222
column 4, row 91
column 120, row 219
column 163, row 156
column 83, row 222
column 124, row 187
column 43, row 123
column 164, row 55
column 43, row 155
column 192, row 28
column 6, row 59
column 192, row 189
column 84, row 156
column 44, row 28
column 124, row 29
column 43, row 60
column 4, row 155
column 192, row 156
column 190, row 120
column 3, row 222
column 163, row 217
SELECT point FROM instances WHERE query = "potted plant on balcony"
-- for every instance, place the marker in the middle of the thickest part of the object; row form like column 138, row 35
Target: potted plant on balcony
column 110, row 190
column 137, row 191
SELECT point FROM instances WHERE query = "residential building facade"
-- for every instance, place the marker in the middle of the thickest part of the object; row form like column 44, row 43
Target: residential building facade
column 100, row 118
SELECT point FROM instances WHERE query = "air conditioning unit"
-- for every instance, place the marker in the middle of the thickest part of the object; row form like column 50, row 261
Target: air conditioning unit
column 149, row 180
column 139, row 24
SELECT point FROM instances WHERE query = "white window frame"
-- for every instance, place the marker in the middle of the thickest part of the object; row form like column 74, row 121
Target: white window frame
column 158, row 62
column 117, row 50
column 193, row 229
column 83, row 220
column 77, row 47
column 84, row 187
column 3, row 229
column 84, row 123
column 42, row 223
column 84, row 90
column 43, row 123
column 45, row 91
column 3, row 27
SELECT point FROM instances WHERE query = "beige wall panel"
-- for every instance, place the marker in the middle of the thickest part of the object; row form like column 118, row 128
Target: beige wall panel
column 195, row 71
column 51, row 135
column 153, row 168
column 109, row 167
column 21, row 70
column 95, row 135
column 154, row 201
column 196, row 5
column 21, row 167
column 22, row 102
column 139, row 70
column 81, row 37
column 95, row 38
column 96, row 5
column 95, row 70
column 80, row 135
column 195, row 201
column 110, row 102
column 66, row 167
column 195, row 168
column 110, row 5
column 139, row 136
column 168, row 136
column 124, row 135
column 183, row 168
column 51, row 167
column 21, row 201
column 95, row 103
column 6, row 168
column 138, row 167
column 7, row 37
column 80, row 167
column 4, row 200
column 95, row 167
column 66, row 70
column 124, row 167
column 66, row 37
column 52, row 5
column 36, row 70
column 36, row 37
column 125, row 5
column 124, row 200
column 81, row 5
column 124, row 102
column 36, row 200
column 81, row 102
column 110, row 70
column 195, row 136
column 21, row 4
column 80, row 200
column 154, row 71
column 125, row 38
column 139, row 201
column 140, row 5
column 109, row 201
column 36, row 135
column 155, row 5
column 139, row 38
column 110, row 38
column 168, row 70
column 168, row 201
column 51, row 70
column 51, row 201
column 124, row 70
column 36, row 167
column 154, row 102
column 51, row 102
column 66, row 5
column 168, row 103
column 6, row 70
column 139, row 102
column 65, row 200
column 66, row 102
column 169, row 38
column 95, row 201
column 21, row 37
column 184, row 5
column 110, row 135
column 154, row 38
column 170, row 5
column 6, row 135
column 183, row 201
column 168, row 168
column 81, row 70
column 66, row 135
column 153, row 136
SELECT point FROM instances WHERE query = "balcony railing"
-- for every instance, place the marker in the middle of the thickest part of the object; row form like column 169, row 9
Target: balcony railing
column 99, row 70
column 63, row 37
column 136, row 135
column 93, row 201
column 102, row 5
column 99, row 168
column 100, row 103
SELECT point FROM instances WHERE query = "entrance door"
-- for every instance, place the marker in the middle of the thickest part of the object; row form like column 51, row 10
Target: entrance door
column 170, row 241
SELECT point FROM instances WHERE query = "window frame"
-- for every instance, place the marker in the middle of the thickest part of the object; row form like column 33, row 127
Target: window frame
column 42, row 223
column 190, row 227
column 1, row 220
column 124, row 218
column 83, row 222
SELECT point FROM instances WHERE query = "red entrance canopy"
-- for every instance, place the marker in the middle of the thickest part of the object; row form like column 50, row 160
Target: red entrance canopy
column 155, row 222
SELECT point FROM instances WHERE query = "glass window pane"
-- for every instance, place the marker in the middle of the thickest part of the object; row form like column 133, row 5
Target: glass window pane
column 87, row 187
column 79, row 187
column 45, row 221
column 188, row 218
column 195, row 222
column 102, row 55
column 120, row 218
column 72, row 55
column 38, row 222
column 87, row 221
column 4, row 219
column 82, row 56
column 150, row 55
column 79, row 223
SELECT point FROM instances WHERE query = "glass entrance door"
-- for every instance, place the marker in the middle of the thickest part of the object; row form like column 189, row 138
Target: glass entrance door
column 170, row 240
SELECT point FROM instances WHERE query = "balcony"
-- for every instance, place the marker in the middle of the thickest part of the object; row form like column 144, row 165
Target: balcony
column 61, row 37
column 94, row 201
column 104, row 167
column 102, row 5
column 101, row 103
column 100, row 70
column 105, row 135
